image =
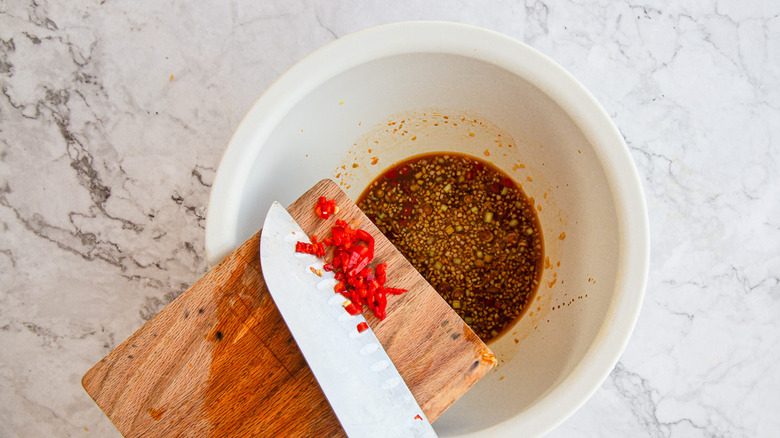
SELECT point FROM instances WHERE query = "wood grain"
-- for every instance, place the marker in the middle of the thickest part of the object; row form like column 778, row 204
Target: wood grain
column 219, row 360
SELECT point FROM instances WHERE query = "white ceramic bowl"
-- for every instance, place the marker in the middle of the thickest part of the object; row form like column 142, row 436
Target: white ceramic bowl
column 534, row 120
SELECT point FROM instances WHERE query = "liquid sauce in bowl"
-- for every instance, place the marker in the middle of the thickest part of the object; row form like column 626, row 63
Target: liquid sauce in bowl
column 469, row 230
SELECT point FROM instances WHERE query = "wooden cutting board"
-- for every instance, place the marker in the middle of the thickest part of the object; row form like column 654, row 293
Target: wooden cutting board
column 219, row 360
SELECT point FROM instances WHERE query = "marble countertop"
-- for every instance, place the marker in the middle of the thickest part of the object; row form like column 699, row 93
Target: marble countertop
column 114, row 116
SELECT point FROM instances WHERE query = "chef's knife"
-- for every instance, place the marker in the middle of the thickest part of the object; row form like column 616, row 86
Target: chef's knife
column 359, row 380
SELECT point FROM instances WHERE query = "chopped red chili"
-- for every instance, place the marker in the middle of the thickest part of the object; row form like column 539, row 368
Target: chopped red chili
column 324, row 207
column 352, row 254
column 314, row 247
column 362, row 327
column 306, row 248
column 381, row 273
column 352, row 308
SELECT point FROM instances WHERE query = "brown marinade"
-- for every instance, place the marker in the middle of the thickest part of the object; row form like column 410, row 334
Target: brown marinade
column 468, row 229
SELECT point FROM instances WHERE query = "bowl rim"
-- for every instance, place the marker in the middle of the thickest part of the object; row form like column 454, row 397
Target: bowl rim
column 580, row 105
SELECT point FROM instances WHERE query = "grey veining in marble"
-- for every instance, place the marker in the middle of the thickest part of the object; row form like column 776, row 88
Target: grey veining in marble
column 114, row 115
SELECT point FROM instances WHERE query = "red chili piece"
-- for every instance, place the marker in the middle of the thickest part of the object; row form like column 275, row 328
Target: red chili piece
column 324, row 208
column 353, row 309
column 314, row 247
column 362, row 327
column 353, row 251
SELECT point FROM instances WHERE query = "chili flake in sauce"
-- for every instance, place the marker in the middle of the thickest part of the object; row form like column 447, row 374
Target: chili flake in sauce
column 468, row 229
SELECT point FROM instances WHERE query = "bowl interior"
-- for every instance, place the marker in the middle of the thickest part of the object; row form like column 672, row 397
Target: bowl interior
column 345, row 126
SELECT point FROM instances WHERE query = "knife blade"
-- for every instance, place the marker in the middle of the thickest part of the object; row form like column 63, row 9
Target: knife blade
column 365, row 390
